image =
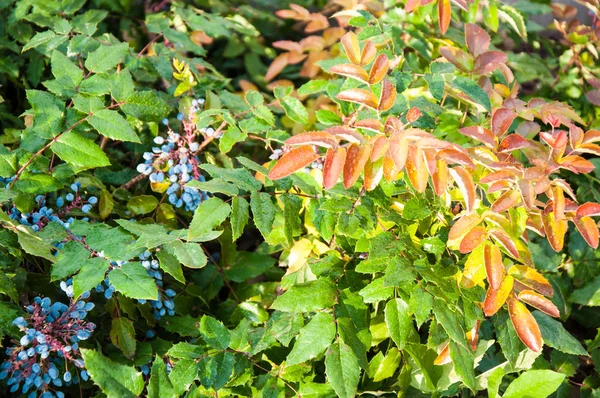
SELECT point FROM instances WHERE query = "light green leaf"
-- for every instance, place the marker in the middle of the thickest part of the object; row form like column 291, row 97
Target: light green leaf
column 106, row 57
column 263, row 211
column 399, row 321
column 450, row 321
column 216, row 185
column 307, row 297
column 385, row 367
column 142, row 204
column 313, row 340
column 48, row 113
column 170, row 264
column 122, row 335
column 588, row 294
column 342, row 370
column 241, row 178
column 210, row 214
column 121, row 86
column 514, row 19
column 239, row 217
column 556, row 336
column 91, row 274
column 115, row 380
column 34, row 245
column 146, row 106
column 294, row 109
column 112, row 125
column 292, row 206
column 534, row 384
column 8, row 164
column 79, row 152
column 214, row 333
column 39, row 39
column 472, row 90
column 133, row 281
column 64, row 70
column 189, row 254
column 160, row 385
column 464, row 364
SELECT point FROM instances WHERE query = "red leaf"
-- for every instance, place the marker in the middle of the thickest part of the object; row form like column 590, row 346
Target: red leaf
column 465, row 184
column 495, row 298
column 500, row 175
column 531, row 278
column 588, row 209
column 356, row 158
column 593, row 96
column 319, row 138
column 293, row 161
column 478, row 40
column 505, row 240
column 461, row 227
column 444, row 14
column 494, row 269
column 411, row 5
column 398, row 150
column 588, row 229
column 379, row 69
column 525, row 325
column 368, row 53
column 540, row 302
column 506, row 201
column 413, row 115
column 577, row 164
column 480, row 134
column 332, row 169
column 359, row 96
column 380, row 147
column 458, row 58
column 488, row 62
column 557, row 140
column 416, row 169
column 451, row 155
column 388, row 95
column 501, row 121
column 513, row 142
column 555, row 230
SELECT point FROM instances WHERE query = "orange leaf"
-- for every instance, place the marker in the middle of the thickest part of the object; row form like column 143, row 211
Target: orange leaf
column 588, row 209
column 557, row 140
column 398, row 150
column 506, row 201
column 293, row 161
column 350, row 70
column 351, row 46
column 317, row 22
column 379, row 69
column 555, row 230
column 461, row 227
column 276, row 66
column 390, row 171
column 577, row 164
column 332, row 169
column 528, row 193
column 531, row 278
column 558, row 202
column 540, row 302
column 575, row 136
column 356, row 158
column 505, row 241
column 474, row 238
column 380, row 147
column 388, row 95
column 473, row 335
column 440, row 177
column 444, row 13
column 416, row 169
column 488, row 62
column 525, row 325
column 589, row 148
column 368, row 53
column 319, row 138
column 451, row 155
column 588, row 229
column 591, row 136
column 458, row 58
column 413, row 115
column 359, row 96
column 411, row 5
column 346, row 133
column 480, row 134
column 369, row 124
column 501, row 121
column 513, row 142
column 465, row 184
column 477, row 39
column 495, row 298
column 494, row 269
column 444, row 357
column 500, row 175
column 373, row 174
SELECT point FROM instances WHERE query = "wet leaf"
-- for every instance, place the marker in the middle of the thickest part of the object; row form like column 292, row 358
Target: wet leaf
column 525, row 325
column 319, row 138
column 538, row 301
column 332, row 169
column 494, row 299
column 474, row 238
column 351, row 46
column 388, row 95
column 494, row 268
column 506, row 201
column 359, row 96
column 356, row 158
column 352, row 71
column 465, row 184
column 293, row 161
column 379, row 69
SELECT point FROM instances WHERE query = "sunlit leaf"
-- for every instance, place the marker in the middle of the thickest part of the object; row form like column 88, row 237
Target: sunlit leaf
column 505, row 201
column 332, row 169
column 293, row 161
column 356, row 158
column 351, row 46
column 465, row 183
column 359, row 96
column 379, row 69
column 525, row 325
column 388, row 95
column 351, row 70
column 538, row 301
column 319, row 138
column 494, row 268
column 474, row 238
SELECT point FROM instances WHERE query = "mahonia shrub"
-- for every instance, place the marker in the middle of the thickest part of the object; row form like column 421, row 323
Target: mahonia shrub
column 331, row 199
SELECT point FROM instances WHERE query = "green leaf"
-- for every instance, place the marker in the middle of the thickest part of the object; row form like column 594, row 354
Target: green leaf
column 7, row 287
column 328, row 117
column 122, row 335
column 112, row 125
column 416, row 209
column 399, row 321
column 307, row 297
column 253, row 98
column 248, row 265
column 160, row 385
column 64, row 70
column 420, row 304
column 79, row 152
column 48, row 113
column 588, row 294
column 91, row 274
column 106, row 57
column 384, row 367
column 189, row 254
column 87, row 104
column 294, row 109
column 37, row 183
column 450, row 321
column 509, row 342
column 534, row 384
column 472, row 90
column 216, row 185
column 146, row 106
column 183, row 374
column 556, row 336
column 121, row 86
column 342, row 370
column 39, row 39
column 231, row 136
column 115, row 380
column 241, row 178
column 292, row 206
column 133, row 281
column 170, row 264
column 263, row 211
column 313, row 340
column 214, row 333
column 8, row 164
column 313, row 87
column 34, row 245
column 464, row 364
column 142, row 204
column 210, row 214
column 514, row 19
column 240, row 215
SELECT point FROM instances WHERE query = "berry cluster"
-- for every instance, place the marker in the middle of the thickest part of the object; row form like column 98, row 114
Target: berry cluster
column 39, row 218
column 173, row 162
column 48, row 351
